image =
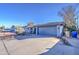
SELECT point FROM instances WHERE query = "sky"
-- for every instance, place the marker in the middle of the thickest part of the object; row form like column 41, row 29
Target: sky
column 22, row 13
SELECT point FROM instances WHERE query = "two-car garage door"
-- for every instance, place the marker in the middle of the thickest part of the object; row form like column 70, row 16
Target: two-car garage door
column 51, row 31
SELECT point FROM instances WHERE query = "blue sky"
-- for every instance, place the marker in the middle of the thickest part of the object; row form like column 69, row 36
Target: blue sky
column 21, row 14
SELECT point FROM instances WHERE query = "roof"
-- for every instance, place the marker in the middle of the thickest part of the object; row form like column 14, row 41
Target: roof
column 50, row 24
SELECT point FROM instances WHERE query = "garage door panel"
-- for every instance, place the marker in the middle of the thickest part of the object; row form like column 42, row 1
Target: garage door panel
column 48, row 31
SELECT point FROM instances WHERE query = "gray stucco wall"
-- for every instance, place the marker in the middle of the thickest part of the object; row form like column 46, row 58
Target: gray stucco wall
column 52, row 31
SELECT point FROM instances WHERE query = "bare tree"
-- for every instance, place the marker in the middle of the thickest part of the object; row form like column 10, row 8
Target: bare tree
column 68, row 14
column 30, row 24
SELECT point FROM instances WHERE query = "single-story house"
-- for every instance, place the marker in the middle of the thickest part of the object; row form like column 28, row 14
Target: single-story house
column 28, row 30
column 51, row 29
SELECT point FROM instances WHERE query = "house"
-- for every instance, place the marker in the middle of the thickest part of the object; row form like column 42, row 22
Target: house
column 27, row 29
column 49, row 29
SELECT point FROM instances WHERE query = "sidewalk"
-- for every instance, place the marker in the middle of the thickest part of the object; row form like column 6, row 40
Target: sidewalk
column 62, row 49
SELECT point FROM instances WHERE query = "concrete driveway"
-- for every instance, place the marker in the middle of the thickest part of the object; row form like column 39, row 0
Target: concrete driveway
column 31, row 46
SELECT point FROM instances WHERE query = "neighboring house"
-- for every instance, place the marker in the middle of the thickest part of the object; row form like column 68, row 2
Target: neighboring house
column 50, row 29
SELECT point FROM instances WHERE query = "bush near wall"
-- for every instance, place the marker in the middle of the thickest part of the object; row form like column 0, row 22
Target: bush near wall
column 70, row 29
